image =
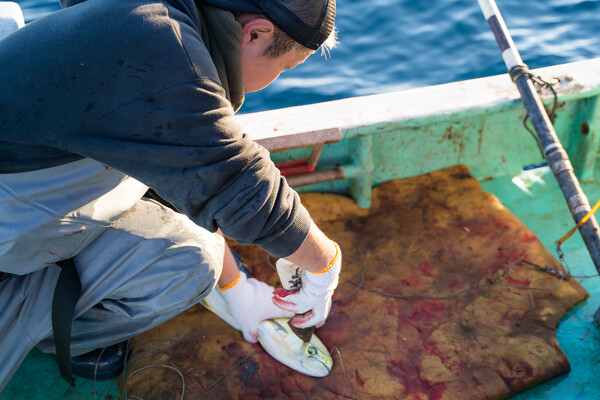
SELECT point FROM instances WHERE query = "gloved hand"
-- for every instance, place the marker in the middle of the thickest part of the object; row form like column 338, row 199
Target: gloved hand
column 314, row 297
column 249, row 302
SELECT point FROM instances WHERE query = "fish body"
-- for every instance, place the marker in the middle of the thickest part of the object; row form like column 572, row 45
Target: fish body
column 310, row 358
column 279, row 341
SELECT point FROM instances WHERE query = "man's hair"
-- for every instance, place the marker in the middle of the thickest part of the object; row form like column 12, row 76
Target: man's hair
column 283, row 43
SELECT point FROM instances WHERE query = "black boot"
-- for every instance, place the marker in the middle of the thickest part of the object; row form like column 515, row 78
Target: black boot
column 101, row 364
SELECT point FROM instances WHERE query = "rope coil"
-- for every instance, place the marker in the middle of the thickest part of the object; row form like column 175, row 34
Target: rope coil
column 523, row 70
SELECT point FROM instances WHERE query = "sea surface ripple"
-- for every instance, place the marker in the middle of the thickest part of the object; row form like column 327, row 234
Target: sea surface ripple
column 388, row 45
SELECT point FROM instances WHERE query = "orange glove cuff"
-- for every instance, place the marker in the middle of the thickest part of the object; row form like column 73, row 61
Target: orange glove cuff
column 232, row 284
column 332, row 262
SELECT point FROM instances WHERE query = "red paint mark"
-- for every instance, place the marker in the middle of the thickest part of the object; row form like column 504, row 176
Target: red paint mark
column 404, row 282
column 76, row 232
column 432, row 349
column 406, row 321
column 391, row 308
column 511, row 317
column 528, row 237
column 423, row 316
column 51, row 253
column 513, row 281
column 401, row 371
column 280, row 292
column 432, row 308
column 521, row 374
column 427, row 269
column 282, row 303
column 409, row 281
column 499, row 224
column 506, row 257
column 449, row 362
column 295, row 167
column 408, row 377
column 106, row 167
column 433, row 392
column 359, row 381
column 303, row 318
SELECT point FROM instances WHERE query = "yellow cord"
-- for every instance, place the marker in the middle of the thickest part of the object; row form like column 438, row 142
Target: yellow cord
column 583, row 221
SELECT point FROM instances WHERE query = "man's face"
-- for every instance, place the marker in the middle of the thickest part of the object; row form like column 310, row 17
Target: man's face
column 259, row 70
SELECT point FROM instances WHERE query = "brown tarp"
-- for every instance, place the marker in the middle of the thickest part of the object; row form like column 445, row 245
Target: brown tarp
column 449, row 308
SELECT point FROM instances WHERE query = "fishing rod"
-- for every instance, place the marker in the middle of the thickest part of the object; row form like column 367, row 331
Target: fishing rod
column 557, row 157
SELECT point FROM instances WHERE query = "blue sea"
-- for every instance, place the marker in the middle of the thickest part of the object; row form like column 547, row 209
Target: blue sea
column 388, row 45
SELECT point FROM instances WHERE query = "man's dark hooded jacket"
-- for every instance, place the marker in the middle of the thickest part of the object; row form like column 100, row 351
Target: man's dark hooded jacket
column 146, row 87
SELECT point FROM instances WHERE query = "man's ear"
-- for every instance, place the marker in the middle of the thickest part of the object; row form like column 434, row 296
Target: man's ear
column 257, row 32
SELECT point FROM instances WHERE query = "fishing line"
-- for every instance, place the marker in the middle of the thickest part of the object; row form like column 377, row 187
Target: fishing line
column 156, row 366
column 523, row 70
column 96, row 372
column 126, row 396
column 497, row 280
column 585, row 276
column 240, row 362
column 359, row 285
column 343, row 370
column 104, row 396
column 127, row 351
column 529, row 292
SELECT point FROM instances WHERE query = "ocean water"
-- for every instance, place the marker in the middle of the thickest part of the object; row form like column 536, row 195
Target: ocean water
column 388, row 45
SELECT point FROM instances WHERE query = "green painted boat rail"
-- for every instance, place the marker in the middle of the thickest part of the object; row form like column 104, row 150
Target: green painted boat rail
column 478, row 123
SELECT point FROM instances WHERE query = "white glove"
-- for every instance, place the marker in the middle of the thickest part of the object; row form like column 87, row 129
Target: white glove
column 314, row 297
column 249, row 302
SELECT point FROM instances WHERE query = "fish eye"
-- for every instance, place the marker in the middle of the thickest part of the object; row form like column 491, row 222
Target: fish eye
column 312, row 351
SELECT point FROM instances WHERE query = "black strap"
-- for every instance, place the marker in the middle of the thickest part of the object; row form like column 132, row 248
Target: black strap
column 66, row 294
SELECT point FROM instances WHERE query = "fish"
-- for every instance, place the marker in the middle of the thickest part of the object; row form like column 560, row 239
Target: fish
column 279, row 341
column 309, row 358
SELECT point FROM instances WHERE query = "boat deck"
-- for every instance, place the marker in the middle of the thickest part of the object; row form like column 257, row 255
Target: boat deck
column 477, row 123
column 543, row 211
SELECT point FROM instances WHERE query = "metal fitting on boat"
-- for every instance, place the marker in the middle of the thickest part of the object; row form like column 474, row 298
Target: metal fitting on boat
column 579, row 204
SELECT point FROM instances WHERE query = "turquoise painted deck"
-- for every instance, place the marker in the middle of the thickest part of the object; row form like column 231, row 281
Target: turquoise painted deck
column 546, row 214
column 477, row 123
column 38, row 379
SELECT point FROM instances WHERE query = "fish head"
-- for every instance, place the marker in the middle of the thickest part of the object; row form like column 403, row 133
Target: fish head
column 280, row 342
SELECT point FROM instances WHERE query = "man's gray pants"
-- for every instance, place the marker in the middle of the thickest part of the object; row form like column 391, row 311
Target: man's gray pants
column 139, row 263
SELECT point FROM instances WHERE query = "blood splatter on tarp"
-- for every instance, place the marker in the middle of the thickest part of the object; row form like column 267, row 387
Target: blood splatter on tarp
column 449, row 307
